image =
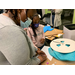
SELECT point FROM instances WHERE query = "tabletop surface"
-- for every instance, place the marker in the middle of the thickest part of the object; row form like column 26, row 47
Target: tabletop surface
column 52, row 34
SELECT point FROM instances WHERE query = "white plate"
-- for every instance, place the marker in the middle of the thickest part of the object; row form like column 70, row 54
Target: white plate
column 63, row 48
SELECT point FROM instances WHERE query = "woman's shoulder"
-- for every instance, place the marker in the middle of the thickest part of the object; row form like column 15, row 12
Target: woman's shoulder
column 5, row 21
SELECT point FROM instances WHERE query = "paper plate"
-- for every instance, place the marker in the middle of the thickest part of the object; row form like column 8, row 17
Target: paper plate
column 63, row 45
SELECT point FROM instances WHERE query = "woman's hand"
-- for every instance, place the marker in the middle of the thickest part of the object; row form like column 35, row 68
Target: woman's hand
column 25, row 29
column 42, row 56
column 40, row 52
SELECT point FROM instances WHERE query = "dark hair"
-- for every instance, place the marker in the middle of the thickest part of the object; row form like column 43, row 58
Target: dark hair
column 14, row 12
column 30, row 12
column 27, row 11
column 32, row 26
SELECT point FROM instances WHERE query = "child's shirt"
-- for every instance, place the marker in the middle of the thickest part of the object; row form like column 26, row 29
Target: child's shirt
column 40, row 34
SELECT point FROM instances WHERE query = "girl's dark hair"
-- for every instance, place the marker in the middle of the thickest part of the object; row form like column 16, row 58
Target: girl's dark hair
column 32, row 26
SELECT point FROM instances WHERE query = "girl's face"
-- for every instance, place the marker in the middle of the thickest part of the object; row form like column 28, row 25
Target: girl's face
column 36, row 20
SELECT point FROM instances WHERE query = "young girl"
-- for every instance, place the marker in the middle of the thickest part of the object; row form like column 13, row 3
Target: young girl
column 36, row 33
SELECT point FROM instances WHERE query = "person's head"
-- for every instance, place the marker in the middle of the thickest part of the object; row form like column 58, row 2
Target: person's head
column 35, row 23
column 30, row 12
column 16, row 15
column 20, row 15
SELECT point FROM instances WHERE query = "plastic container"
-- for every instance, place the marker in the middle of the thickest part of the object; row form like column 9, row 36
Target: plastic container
column 69, row 31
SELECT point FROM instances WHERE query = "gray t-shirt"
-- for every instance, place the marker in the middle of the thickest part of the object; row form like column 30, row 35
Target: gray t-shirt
column 15, row 46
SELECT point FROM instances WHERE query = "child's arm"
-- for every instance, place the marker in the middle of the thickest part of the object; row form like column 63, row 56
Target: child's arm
column 30, row 35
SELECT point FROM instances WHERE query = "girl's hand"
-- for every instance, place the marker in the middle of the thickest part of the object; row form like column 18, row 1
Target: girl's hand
column 42, row 41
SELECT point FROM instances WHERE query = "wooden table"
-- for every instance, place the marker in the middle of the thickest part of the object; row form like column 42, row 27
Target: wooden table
column 57, row 62
column 52, row 34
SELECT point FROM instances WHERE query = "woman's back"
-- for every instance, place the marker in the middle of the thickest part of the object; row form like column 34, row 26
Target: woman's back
column 14, row 44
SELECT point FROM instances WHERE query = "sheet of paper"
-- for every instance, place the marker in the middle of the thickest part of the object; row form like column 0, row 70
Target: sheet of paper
column 45, row 49
column 59, row 35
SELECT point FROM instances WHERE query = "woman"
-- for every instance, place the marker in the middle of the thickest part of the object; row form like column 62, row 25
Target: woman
column 15, row 47
column 57, row 19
